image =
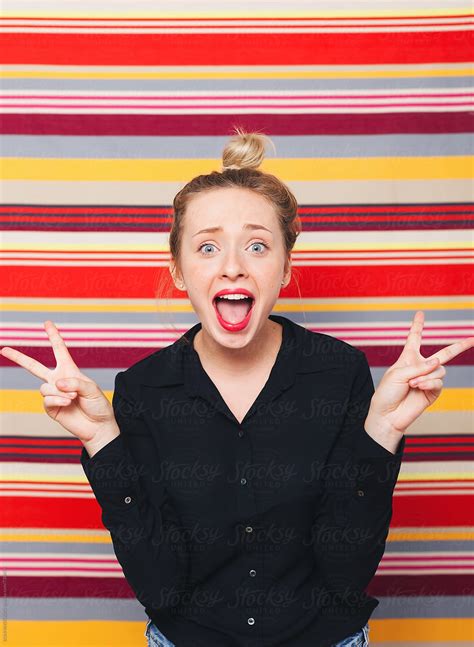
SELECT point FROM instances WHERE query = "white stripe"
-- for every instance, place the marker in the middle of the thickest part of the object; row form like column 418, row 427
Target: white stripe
column 433, row 492
column 228, row 69
column 166, row 256
column 349, row 109
column 111, row 240
column 294, row 263
column 381, row 93
column 215, row 8
column 241, row 22
column 239, row 30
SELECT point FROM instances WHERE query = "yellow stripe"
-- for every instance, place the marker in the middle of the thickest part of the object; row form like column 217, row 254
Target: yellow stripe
column 259, row 74
column 364, row 305
column 97, row 633
column 437, row 477
column 57, row 537
column 427, row 535
column 393, row 536
column 423, row 631
column 27, row 401
column 182, row 170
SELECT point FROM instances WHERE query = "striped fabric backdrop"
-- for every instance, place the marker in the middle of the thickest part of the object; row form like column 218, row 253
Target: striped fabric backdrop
column 107, row 110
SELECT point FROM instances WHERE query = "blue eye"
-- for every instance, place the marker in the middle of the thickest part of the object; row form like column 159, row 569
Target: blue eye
column 206, row 245
column 212, row 245
column 263, row 244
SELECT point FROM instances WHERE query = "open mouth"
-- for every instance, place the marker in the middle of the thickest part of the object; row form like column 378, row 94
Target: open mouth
column 233, row 310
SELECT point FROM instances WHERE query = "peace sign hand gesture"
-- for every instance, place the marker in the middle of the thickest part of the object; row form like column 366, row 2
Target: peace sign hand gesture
column 412, row 384
column 70, row 397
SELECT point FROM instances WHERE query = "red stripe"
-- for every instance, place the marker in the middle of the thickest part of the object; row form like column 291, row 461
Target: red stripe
column 235, row 49
column 87, row 218
column 86, row 209
column 434, row 510
column 122, row 357
column 432, row 449
column 219, row 125
column 130, row 282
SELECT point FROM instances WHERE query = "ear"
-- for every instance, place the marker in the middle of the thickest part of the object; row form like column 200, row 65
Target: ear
column 287, row 271
column 176, row 276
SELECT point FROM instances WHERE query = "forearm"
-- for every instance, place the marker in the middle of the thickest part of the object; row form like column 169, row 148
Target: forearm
column 380, row 431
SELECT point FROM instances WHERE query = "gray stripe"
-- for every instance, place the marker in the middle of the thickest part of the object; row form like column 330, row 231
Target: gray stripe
column 306, row 192
column 83, row 608
column 217, row 85
column 426, row 606
column 183, row 319
column 210, row 147
column 455, row 606
column 30, row 547
column 456, row 377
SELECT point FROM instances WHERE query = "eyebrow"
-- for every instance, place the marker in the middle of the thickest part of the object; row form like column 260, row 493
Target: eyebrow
column 248, row 225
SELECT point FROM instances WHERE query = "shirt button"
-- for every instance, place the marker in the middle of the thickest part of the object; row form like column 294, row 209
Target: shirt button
column 360, row 492
column 128, row 499
column 251, row 621
column 249, row 529
column 252, row 573
column 241, row 433
column 243, row 481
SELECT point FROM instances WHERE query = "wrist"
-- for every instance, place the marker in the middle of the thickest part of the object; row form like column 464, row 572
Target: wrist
column 101, row 439
column 380, row 430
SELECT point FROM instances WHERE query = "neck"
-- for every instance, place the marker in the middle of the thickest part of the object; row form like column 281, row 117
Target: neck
column 238, row 361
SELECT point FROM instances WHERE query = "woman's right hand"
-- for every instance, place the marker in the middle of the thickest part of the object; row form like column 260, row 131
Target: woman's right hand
column 79, row 405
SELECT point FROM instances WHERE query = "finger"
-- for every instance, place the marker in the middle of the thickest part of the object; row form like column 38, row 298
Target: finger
column 31, row 365
column 414, row 335
column 430, row 385
column 60, row 350
column 51, row 401
column 448, row 353
column 85, row 388
column 406, row 373
column 439, row 372
column 50, row 389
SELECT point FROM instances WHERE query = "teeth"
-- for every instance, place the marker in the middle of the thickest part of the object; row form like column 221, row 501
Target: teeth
column 233, row 296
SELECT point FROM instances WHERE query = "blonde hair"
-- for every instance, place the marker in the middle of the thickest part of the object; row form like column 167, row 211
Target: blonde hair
column 241, row 157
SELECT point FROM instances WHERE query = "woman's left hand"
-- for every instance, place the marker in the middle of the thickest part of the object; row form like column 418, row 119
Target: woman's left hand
column 411, row 385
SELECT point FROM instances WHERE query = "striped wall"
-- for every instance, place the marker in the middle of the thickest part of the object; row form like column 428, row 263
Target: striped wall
column 107, row 110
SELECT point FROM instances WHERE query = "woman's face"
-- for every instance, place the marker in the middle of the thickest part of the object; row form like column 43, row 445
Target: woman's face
column 242, row 249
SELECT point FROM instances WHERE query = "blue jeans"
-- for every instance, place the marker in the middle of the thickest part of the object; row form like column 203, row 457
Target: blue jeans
column 157, row 639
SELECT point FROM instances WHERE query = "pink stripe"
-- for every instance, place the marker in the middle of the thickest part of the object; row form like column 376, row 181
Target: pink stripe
column 80, row 560
column 247, row 105
column 160, row 339
column 154, row 330
column 236, row 96
column 66, row 568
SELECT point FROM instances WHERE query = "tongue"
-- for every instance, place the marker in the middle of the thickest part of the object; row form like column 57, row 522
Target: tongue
column 233, row 311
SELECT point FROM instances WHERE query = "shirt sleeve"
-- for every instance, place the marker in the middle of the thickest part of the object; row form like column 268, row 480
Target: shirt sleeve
column 353, row 520
column 147, row 537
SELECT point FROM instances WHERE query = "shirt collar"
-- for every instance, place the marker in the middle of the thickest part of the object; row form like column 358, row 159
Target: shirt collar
column 182, row 365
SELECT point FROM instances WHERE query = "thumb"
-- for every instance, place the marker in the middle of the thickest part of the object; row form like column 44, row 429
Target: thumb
column 407, row 373
column 85, row 388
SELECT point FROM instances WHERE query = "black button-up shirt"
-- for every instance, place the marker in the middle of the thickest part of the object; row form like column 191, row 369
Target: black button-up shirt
column 262, row 533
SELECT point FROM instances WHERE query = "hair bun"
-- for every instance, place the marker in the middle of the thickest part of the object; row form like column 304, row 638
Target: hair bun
column 245, row 150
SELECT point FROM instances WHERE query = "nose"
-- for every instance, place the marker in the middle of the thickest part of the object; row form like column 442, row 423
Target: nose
column 233, row 264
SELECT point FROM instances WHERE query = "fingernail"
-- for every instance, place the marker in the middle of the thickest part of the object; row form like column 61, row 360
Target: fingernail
column 432, row 361
column 61, row 383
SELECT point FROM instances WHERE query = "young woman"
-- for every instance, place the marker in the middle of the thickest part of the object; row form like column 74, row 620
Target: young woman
column 246, row 471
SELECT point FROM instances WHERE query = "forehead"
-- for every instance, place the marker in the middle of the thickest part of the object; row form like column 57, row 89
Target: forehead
column 219, row 206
